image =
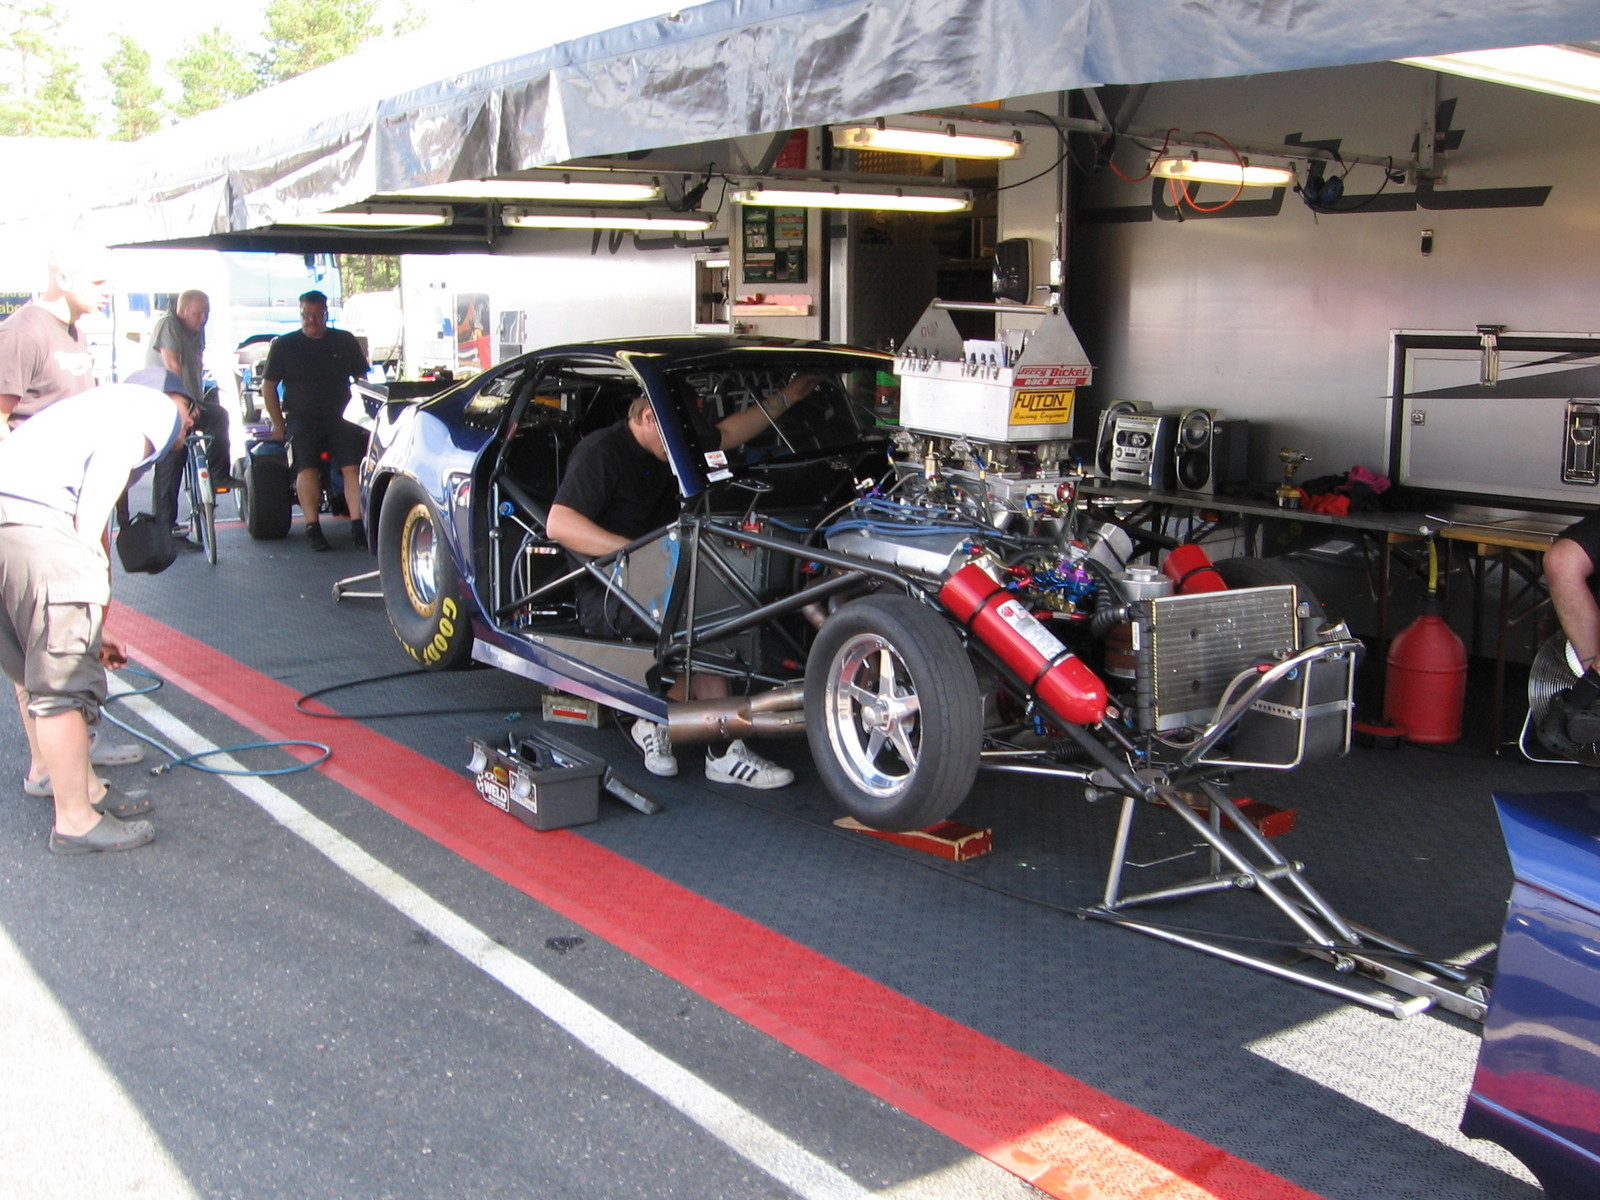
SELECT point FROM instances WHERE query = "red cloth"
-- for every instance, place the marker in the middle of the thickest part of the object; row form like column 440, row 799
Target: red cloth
column 1332, row 504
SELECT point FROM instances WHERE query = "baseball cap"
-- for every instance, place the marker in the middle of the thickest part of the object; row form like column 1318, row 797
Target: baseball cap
column 162, row 380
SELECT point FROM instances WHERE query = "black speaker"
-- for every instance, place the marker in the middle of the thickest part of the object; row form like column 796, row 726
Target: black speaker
column 1106, row 431
column 1209, row 453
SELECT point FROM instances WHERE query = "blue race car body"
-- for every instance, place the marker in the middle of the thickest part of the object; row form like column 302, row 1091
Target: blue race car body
column 456, row 489
column 1537, row 1087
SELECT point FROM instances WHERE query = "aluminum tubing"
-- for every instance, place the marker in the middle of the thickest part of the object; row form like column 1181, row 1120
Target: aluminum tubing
column 768, row 714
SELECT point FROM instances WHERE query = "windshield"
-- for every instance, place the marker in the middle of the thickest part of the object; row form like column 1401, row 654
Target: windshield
column 853, row 396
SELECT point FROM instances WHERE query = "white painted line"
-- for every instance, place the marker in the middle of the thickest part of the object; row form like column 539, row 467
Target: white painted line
column 785, row 1160
column 67, row 1128
column 1415, row 1072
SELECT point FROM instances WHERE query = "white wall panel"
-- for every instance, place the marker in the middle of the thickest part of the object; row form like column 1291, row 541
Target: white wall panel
column 1285, row 319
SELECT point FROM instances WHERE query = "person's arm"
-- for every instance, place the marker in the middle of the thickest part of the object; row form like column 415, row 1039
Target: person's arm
column 104, row 478
column 173, row 363
column 8, row 405
column 739, row 428
column 269, row 401
column 579, row 534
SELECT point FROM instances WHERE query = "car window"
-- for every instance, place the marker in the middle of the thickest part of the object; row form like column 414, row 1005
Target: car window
column 591, row 393
column 493, row 399
column 840, row 411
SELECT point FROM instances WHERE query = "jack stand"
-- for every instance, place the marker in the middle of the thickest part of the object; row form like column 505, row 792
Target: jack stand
column 1242, row 860
column 347, row 586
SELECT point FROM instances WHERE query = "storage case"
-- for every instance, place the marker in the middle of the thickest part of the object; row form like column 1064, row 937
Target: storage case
column 541, row 781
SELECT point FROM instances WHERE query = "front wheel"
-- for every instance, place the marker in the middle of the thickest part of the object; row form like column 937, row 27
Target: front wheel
column 202, row 502
column 422, row 590
column 893, row 713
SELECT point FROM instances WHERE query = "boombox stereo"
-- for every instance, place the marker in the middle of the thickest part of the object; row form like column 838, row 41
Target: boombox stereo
column 1140, row 449
column 1209, row 453
column 1107, row 426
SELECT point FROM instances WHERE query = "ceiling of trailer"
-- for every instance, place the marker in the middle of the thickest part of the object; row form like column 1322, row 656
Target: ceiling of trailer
column 449, row 102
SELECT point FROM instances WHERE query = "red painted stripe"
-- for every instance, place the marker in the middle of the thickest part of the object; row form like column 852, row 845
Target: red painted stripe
column 1060, row 1134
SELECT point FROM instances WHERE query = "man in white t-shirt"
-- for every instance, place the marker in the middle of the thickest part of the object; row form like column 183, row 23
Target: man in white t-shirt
column 61, row 473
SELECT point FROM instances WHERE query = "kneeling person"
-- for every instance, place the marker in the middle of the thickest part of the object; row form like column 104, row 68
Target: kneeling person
column 619, row 486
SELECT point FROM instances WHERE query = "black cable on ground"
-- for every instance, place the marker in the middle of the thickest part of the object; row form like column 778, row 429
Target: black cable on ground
column 300, row 704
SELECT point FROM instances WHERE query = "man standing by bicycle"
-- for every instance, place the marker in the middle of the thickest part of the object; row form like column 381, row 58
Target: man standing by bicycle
column 315, row 365
column 178, row 343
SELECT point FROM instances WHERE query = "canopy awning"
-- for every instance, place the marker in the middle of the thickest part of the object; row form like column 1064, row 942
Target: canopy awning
column 450, row 103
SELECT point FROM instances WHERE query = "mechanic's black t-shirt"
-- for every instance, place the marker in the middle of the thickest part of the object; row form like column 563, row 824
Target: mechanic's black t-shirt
column 618, row 484
column 315, row 373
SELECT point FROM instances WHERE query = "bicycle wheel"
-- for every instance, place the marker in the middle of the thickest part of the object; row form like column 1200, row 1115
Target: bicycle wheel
column 202, row 500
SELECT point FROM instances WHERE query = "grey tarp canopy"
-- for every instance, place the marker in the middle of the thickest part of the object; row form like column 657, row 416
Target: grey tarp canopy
column 451, row 103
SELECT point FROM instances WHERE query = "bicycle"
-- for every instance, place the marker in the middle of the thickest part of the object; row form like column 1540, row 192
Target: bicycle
column 202, row 496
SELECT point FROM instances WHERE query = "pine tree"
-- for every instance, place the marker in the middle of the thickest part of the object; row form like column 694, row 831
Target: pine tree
column 39, row 94
column 212, row 70
column 302, row 34
column 138, row 100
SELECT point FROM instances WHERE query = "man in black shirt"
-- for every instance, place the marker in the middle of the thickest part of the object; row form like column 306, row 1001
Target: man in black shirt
column 315, row 365
column 619, row 486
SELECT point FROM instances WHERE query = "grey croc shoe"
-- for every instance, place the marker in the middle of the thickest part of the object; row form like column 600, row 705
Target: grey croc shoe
column 108, row 834
column 40, row 788
column 103, row 753
column 122, row 804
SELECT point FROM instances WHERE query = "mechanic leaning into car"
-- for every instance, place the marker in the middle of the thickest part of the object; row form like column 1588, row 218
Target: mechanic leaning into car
column 178, row 343
column 617, row 487
column 61, row 474
column 315, row 365
column 44, row 357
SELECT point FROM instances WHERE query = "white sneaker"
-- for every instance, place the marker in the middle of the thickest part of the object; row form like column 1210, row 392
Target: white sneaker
column 745, row 767
column 656, row 743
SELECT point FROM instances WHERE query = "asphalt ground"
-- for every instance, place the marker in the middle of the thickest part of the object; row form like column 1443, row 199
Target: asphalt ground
column 363, row 981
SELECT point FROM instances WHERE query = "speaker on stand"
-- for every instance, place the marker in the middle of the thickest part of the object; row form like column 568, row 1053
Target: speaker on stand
column 1209, row 453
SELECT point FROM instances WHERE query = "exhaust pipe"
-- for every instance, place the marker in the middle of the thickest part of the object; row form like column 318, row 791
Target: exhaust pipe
column 774, row 713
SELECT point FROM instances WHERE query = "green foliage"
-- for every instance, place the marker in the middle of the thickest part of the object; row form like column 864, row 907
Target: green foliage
column 302, row 34
column 138, row 100
column 212, row 70
column 410, row 20
column 368, row 273
column 39, row 94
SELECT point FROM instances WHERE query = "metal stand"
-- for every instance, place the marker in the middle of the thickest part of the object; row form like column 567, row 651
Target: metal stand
column 346, row 587
column 1241, row 859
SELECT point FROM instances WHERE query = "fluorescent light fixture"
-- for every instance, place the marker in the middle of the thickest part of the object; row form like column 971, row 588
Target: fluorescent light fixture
column 373, row 216
column 929, row 135
column 1202, row 170
column 581, row 189
column 875, row 197
column 594, row 218
column 1570, row 71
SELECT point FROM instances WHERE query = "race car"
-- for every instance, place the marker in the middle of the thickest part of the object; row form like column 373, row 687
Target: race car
column 918, row 589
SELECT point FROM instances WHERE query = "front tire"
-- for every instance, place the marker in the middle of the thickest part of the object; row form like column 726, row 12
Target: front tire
column 422, row 590
column 893, row 713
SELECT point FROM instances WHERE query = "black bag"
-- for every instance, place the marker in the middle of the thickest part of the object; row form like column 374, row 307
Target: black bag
column 145, row 545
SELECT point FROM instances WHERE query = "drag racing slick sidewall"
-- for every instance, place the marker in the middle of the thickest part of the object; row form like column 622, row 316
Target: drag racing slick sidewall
column 421, row 587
